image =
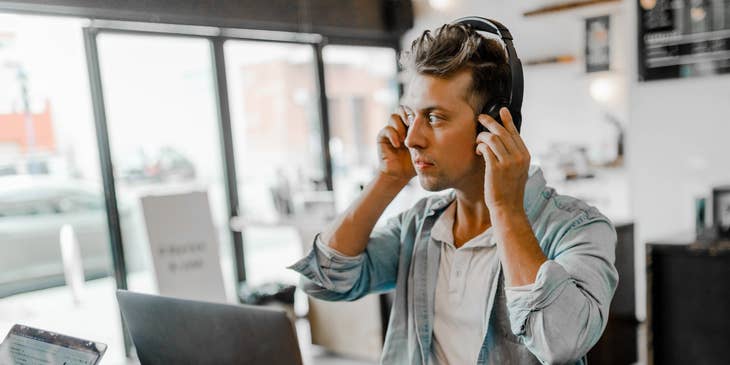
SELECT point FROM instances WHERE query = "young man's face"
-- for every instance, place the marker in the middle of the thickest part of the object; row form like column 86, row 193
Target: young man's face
column 442, row 133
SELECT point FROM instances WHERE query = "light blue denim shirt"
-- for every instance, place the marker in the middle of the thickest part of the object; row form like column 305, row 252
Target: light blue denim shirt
column 555, row 321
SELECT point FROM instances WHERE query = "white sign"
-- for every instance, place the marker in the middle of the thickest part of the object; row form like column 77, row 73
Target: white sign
column 184, row 246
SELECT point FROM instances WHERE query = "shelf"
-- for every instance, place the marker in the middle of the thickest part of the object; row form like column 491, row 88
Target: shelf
column 564, row 6
column 550, row 60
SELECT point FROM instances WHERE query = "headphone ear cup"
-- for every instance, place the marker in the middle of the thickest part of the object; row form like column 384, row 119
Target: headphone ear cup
column 492, row 109
column 494, row 112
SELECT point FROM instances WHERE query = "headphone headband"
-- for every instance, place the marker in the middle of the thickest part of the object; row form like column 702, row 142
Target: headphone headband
column 517, row 81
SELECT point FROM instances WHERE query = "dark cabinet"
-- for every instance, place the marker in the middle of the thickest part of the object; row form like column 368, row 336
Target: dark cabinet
column 688, row 300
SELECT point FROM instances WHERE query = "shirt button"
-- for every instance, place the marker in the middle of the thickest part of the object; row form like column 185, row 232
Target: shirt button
column 458, row 273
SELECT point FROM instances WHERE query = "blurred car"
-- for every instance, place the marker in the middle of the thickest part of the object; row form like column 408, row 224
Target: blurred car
column 165, row 164
column 33, row 208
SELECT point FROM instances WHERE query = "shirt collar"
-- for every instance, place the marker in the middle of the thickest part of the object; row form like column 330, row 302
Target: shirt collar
column 443, row 231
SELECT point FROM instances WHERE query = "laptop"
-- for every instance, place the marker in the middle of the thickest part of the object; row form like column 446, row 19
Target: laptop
column 30, row 346
column 178, row 331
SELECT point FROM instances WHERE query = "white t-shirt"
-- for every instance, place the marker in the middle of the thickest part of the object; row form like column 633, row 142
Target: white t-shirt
column 465, row 278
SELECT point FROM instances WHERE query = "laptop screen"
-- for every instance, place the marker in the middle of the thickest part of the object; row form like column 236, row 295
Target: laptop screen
column 31, row 346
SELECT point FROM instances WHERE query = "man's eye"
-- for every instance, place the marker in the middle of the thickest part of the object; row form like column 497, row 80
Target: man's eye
column 433, row 118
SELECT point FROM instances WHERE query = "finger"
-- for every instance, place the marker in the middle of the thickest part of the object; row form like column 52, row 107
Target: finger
column 398, row 124
column 505, row 141
column 492, row 125
column 389, row 134
column 487, row 154
column 507, row 121
column 510, row 126
column 495, row 127
column 495, row 143
column 406, row 114
column 520, row 144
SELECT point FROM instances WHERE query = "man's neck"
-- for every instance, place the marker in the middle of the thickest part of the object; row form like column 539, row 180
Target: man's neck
column 472, row 215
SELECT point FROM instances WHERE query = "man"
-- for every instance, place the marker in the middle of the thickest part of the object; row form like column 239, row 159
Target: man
column 500, row 270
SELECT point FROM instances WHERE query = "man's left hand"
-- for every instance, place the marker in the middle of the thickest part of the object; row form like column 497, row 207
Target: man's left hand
column 507, row 162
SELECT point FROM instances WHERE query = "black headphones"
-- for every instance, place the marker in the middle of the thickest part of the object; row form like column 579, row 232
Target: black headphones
column 514, row 103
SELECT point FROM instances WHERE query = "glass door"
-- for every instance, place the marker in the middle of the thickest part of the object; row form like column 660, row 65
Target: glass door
column 362, row 92
column 164, row 136
column 277, row 145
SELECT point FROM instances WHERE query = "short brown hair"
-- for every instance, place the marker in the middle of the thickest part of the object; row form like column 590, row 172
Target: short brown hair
column 454, row 47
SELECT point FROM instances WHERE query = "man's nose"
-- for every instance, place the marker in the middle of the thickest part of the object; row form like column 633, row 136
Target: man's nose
column 415, row 138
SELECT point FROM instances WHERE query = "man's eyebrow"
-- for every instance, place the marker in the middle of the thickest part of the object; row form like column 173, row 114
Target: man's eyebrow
column 434, row 107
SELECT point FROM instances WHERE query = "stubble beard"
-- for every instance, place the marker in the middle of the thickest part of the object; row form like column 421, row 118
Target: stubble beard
column 433, row 183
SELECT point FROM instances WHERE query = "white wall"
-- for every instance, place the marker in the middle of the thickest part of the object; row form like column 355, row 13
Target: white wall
column 557, row 106
column 678, row 131
column 678, row 148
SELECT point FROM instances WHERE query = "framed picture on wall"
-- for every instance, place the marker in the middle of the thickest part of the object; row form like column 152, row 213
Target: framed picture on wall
column 598, row 54
column 721, row 210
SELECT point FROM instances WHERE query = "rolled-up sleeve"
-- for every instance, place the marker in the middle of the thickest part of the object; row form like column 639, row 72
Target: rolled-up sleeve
column 563, row 314
column 330, row 275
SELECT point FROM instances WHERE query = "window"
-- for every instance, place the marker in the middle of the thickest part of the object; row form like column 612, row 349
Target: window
column 279, row 165
column 50, row 179
column 362, row 91
column 163, row 134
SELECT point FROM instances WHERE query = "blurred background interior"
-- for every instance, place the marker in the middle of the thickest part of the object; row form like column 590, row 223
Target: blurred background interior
column 270, row 108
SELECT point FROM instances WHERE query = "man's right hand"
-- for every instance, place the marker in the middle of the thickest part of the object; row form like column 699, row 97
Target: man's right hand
column 393, row 155
column 350, row 232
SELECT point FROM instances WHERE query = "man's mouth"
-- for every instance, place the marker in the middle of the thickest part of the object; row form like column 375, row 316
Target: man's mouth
column 422, row 164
